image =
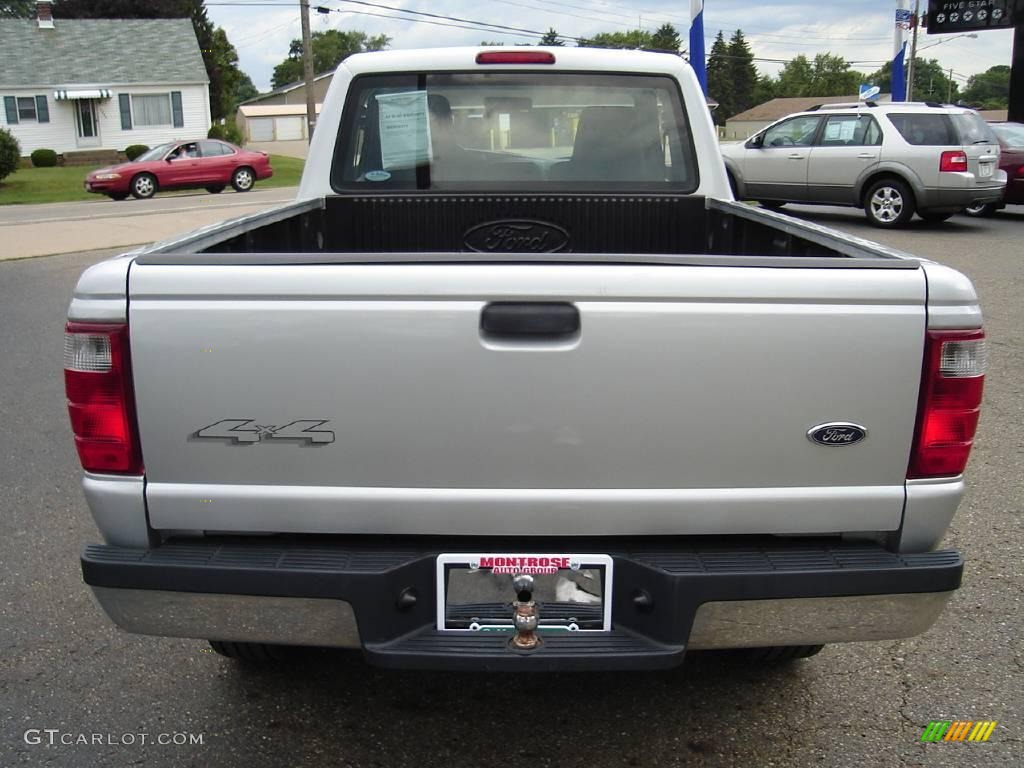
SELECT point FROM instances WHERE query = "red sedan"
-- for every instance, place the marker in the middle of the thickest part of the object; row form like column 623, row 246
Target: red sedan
column 206, row 163
column 1011, row 160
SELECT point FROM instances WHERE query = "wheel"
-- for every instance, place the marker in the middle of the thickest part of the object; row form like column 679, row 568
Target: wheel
column 781, row 653
column 935, row 218
column 889, row 203
column 981, row 209
column 771, row 205
column 243, row 179
column 143, row 186
column 252, row 652
column 732, row 185
column 215, row 190
column 118, row 196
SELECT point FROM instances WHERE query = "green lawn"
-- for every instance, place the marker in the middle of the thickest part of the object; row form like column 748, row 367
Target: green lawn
column 60, row 185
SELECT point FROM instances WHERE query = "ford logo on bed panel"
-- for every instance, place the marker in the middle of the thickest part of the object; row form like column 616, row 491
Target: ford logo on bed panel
column 516, row 236
column 837, row 433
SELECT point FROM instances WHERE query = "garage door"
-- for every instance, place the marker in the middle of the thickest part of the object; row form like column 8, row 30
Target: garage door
column 289, row 128
column 261, row 129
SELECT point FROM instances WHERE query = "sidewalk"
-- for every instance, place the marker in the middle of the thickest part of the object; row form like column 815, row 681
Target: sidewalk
column 45, row 230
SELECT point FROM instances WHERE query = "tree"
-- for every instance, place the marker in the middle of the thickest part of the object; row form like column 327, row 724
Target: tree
column 720, row 86
column 17, row 9
column 931, row 81
column 550, row 38
column 330, row 48
column 10, row 154
column 989, row 89
column 634, row 39
column 742, row 72
column 219, row 56
column 243, row 91
column 795, row 78
column 665, row 40
column 827, row 75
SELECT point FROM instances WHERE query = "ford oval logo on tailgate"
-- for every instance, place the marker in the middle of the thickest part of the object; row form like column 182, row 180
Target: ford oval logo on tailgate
column 516, row 236
column 837, row 433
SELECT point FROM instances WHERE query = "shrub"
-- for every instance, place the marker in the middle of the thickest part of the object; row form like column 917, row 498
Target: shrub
column 134, row 150
column 10, row 154
column 44, row 158
column 225, row 132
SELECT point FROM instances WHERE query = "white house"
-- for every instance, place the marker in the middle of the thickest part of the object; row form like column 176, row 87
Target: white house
column 89, row 84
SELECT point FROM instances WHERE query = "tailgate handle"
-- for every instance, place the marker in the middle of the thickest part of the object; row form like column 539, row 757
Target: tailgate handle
column 530, row 319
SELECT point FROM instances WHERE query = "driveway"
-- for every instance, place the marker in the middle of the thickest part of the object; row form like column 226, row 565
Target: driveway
column 42, row 230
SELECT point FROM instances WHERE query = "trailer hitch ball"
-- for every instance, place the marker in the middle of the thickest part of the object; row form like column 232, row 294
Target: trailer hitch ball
column 525, row 617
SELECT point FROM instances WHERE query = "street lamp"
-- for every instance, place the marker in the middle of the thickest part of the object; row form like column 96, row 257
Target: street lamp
column 913, row 61
column 947, row 39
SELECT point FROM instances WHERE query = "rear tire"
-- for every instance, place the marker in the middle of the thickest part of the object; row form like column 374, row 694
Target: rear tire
column 243, row 179
column 889, row 203
column 935, row 218
column 771, row 205
column 256, row 653
column 118, row 196
column 781, row 654
column 981, row 210
column 215, row 190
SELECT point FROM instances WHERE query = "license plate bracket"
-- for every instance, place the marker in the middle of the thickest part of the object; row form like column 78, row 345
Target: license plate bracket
column 572, row 591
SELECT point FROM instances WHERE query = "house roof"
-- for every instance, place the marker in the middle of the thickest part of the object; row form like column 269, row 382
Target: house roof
column 775, row 109
column 99, row 52
column 286, row 88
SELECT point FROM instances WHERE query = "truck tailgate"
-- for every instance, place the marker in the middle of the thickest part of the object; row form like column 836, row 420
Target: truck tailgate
column 682, row 405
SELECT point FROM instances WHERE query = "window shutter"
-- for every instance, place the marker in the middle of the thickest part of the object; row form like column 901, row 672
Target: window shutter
column 126, row 111
column 11, row 107
column 176, row 111
column 42, row 110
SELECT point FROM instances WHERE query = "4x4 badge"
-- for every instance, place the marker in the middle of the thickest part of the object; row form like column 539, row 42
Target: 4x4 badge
column 248, row 431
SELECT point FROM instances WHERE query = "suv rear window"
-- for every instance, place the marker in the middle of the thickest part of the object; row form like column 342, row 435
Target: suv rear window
column 514, row 130
column 925, row 130
column 973, row 129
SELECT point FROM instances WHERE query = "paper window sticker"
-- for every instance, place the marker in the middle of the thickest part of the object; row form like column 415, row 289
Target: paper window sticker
column 404, row 123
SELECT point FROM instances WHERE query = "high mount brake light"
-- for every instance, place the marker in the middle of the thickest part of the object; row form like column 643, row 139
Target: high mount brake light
column 953, row 161
column 951, row 387
column 515, row 57
column 97, row 379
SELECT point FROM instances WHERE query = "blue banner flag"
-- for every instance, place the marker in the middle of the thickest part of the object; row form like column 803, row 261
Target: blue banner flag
column 697, row 43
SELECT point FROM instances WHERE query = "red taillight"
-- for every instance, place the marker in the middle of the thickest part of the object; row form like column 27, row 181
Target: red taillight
column 952, row 161
column 515, row 57
column 951, row 388
column 97, row 379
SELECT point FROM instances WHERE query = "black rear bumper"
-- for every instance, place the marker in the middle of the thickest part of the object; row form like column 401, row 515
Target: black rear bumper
column 657, row 589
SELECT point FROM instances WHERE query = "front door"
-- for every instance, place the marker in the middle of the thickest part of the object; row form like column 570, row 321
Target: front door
column 777, row 169
column 86, row 124
column 847, row 150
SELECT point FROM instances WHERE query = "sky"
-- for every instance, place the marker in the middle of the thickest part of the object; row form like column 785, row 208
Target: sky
column 859, row 30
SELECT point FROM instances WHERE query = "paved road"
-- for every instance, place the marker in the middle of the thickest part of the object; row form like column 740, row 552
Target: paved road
column 63, row 665
column 40, row 230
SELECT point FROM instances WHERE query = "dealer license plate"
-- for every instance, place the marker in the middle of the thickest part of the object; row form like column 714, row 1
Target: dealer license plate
column 572, row 591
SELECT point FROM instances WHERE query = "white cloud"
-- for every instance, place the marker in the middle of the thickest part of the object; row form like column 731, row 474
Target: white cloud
column 859, row 30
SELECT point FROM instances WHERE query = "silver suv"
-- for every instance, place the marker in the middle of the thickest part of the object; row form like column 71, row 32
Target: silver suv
column 892, row 160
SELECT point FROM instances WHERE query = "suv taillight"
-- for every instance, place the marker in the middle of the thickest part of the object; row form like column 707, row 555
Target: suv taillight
column 953, row 160
column 950, row 401
column 97, row 379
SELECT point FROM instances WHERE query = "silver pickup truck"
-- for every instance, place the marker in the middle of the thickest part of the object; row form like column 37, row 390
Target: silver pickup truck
column 515, row 384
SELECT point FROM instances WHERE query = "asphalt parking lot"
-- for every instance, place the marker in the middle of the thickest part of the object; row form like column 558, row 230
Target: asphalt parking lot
column 65, row 667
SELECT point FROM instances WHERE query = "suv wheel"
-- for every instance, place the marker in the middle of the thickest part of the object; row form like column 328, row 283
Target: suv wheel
column 256, row 653
column 771, row 205
column 889, row 203
column 781, row 654
column 981, row 209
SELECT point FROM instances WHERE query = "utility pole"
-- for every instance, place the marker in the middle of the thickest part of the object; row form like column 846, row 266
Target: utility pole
column 916, row 21
column 307, row 70
column 949, row 91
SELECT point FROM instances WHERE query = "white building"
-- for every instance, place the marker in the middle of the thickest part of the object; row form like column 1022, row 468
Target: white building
column 101, row 84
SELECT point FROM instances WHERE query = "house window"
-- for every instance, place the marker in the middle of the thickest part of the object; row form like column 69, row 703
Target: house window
column 26, row 108
column 151, row 109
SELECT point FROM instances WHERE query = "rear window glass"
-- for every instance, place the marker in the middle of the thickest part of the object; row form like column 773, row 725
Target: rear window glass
column 507, row 131
column 925, row 130
column 973, row 129
column 1012, row 134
